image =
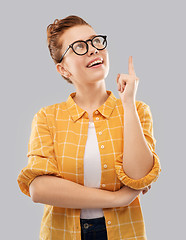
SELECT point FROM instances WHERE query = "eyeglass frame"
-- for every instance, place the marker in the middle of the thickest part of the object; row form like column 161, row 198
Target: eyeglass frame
column 91, row 40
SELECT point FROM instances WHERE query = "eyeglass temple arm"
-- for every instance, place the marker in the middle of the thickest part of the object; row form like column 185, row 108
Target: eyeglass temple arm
column 65, row 53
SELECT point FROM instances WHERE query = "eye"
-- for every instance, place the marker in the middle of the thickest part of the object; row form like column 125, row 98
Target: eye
column 80, row 45
column 97, row 40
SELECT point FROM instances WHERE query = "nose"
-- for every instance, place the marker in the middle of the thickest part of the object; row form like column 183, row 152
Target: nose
column 91, row 49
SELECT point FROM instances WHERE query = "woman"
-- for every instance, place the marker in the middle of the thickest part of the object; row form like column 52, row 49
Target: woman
column 76, row 163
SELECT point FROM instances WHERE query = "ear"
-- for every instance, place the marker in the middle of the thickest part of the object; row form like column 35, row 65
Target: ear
column 61, row 70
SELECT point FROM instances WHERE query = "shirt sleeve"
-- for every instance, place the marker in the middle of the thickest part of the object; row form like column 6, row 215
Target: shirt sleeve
column 41, row 156
column 146, row 120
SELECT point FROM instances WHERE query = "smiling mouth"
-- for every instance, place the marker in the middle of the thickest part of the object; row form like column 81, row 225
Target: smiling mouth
column 96, row 65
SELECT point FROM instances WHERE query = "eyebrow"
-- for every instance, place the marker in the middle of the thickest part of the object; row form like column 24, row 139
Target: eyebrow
column 91, row 36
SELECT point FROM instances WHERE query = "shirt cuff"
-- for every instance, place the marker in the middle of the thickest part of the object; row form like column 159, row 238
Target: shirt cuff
column 141, row 183
column 27, row 175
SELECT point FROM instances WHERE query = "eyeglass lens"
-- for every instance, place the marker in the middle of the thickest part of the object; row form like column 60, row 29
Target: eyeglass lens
column 81, row 47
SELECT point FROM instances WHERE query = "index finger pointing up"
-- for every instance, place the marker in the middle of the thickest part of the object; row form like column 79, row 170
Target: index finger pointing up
column 131, row 67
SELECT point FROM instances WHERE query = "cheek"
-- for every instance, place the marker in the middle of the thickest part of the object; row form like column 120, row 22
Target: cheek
column 107, row 63
column 74, row 65
column 77, row 63
column 107, row 57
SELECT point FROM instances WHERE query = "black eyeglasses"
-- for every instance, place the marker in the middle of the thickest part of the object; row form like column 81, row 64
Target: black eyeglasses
column 81, row 47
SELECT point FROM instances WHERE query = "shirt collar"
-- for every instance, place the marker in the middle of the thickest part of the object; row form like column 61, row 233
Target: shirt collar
column 105, row 109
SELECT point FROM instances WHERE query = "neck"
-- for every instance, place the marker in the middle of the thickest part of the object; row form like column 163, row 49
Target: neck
column 90, row 99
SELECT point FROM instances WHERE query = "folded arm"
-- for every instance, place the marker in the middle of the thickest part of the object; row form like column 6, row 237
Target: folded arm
column 59, row 192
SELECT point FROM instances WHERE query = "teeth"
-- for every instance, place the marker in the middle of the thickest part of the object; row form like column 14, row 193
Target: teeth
column 97, row 61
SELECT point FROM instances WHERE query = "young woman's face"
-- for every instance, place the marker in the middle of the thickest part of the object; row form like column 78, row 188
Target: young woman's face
column 76, row 65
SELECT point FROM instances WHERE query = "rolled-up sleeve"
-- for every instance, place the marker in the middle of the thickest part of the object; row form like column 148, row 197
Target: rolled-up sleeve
column 41, row 156
column 146, row 120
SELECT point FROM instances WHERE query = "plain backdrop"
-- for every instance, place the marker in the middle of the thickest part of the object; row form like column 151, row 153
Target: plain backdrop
column 153, row 32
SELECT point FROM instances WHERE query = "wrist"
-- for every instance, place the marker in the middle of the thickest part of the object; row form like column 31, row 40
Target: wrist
column 129, row 105
column 125, row 196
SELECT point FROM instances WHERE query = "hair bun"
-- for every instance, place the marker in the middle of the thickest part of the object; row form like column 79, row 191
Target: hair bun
column 56, row 29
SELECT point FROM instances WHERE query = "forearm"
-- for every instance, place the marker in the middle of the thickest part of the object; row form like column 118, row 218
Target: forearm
column 137, row 157
column 126, row 195
column 60, row 192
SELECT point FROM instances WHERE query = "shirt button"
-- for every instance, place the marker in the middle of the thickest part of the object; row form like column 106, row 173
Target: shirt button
column 102, row 146
column 103, row 185
column 105, row 166
column 97, row 118
column 96, row 112
column 109, row 222
column 100, row 133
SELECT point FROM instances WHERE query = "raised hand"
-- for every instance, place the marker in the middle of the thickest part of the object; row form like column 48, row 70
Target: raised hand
column 128, row 84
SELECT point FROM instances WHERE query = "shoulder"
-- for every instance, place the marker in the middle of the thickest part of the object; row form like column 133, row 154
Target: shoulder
column 51, row 111
column 141, row 104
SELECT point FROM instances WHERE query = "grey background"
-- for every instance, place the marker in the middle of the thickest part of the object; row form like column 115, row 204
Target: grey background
column 153, row 32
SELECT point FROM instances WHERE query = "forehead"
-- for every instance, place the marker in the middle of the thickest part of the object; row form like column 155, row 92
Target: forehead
column 77, row 33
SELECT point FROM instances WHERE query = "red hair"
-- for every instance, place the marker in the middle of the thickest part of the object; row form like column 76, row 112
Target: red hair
column 56, row 30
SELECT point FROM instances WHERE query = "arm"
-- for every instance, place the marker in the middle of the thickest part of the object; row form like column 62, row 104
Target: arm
column 130, row 166
column 60, row 192
column 137, row 158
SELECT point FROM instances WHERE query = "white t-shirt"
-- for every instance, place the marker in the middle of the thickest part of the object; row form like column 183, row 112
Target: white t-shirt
column 92, row 170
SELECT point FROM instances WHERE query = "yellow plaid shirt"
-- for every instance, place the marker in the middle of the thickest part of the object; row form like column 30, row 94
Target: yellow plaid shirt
column 56, row 147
